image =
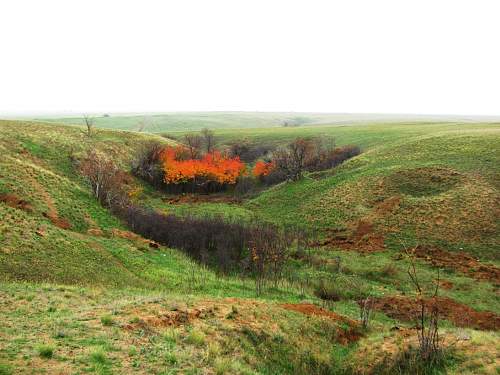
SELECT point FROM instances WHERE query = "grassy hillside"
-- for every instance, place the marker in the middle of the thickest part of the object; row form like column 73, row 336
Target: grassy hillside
column 440, row 187
column 431, row 183
column 80, row 293
column 191, row 121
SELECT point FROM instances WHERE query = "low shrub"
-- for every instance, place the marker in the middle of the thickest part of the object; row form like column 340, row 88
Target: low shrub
column 327, row 290
column 341, row 287
column 107, row 320
column 98, row 356
column 291, row 161
column 196, row 337
column 410, row 361
column 46, row 351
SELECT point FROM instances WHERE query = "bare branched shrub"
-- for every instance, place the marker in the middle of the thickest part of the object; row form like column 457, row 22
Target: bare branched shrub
column 365, row 311
column 290, row 160
column 194, row 142
column 141, row 125
column 269, row 252
column 325, row 157
column 146, row 163
column 307, row 155
column 249, row 152
column 89, row 123
column 208, row 137
column 427, row 317
column 105, row 178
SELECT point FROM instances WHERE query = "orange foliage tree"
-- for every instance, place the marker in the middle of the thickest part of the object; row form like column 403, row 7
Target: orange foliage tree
column 263, row 168
column 212, row 167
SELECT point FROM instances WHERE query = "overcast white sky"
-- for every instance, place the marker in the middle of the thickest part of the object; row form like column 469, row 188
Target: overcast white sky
column 383, row 56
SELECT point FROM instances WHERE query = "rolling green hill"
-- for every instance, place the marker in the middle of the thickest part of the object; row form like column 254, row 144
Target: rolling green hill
column 192, row 121
column 80, row 293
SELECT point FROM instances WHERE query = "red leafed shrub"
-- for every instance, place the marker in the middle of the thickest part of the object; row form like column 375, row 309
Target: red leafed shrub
column 213, row 171
column 263, row 168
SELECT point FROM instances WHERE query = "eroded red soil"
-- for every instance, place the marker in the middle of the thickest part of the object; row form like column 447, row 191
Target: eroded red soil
column 460, row 262
column 406, row 309
column 14, row 201
column 169, row 318
column 362, row 235
column 363, row 239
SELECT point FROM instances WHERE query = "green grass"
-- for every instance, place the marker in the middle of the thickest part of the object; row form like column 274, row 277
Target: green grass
column 97, row 299
column 192, row 121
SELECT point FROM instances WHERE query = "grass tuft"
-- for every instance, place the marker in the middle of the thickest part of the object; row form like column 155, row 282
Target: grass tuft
column 46, row 351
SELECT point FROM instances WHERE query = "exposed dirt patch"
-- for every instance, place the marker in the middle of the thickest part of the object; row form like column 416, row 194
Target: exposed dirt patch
column 125, row 234
column 406, row 309
column 362, row 234
column 14, row 201
column 95, row 232
column 134, row 237
column 198, row 198
column 363, row 238
column 52, row 213
column 169, row 318
column 387, row 206
column 347, row 336
column 461, row 262
column 56, row 220
column 445, row 284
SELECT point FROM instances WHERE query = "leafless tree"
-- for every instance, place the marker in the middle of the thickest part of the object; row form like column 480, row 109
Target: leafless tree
column 427, row 316
column 141, row 126
column 208, row 139
column 105, row 178
column 194, row 143
column 365, row 311
column 89, row 123
column 291, row 159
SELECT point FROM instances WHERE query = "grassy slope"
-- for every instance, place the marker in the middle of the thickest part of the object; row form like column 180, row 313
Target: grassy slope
column 36, row 256
column 36, row 167
column 460, row 164
column 444, row 173
column 198, row 120
column 191, row 121
column 445, row 177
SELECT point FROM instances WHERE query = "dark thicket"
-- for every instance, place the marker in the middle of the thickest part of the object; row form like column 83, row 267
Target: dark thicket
column 146, row 164
column 309, row 155
column 200, row 185
column 248, row 152
column 253, row 248
column 327, row 159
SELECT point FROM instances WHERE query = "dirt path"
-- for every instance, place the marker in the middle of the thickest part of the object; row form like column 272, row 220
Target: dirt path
column 52, row 213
